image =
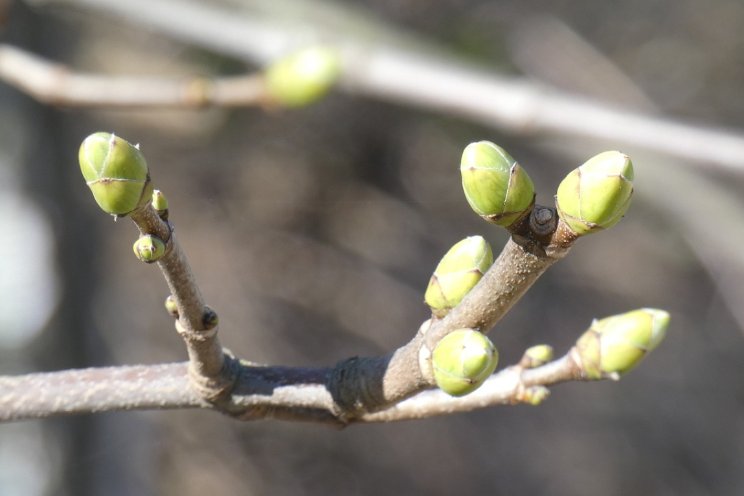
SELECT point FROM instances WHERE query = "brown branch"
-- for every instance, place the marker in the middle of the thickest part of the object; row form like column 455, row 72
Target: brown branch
column 56, row 84
column 285, row 393
column 503, row 388
column 96, row 390
column 212, row 374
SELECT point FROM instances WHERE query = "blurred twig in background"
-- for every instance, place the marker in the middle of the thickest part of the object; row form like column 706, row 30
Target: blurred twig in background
column 408, row 70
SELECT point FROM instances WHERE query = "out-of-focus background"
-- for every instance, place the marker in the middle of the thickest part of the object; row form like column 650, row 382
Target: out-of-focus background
column 313, row 233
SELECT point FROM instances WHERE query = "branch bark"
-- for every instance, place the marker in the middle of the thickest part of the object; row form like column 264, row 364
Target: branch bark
column 285, row 393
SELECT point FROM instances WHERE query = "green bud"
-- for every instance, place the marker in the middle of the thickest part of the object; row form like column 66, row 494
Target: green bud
column 614, row 345
column 171, row 307
column 159, row 201
column 149, row 248
column 303, row 77
column 495, row 185
column 116, row 173
column 463, row 360
column 537, row 356
column 597, row 194
column 459, row 270
column 534, row 395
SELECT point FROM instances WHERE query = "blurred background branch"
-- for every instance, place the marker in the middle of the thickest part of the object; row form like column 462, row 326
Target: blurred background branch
column 380, row 62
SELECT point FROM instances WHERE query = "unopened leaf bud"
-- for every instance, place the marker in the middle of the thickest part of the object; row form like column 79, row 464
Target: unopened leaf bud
column 210, row 319
column 614, row 345
column 495, row 185
column 597, row 194
column 160, row 204
column 459, row 270
column 303, row 77
column 536, row 356
column 534, row 395
column 149, row 248
column 171, row 307
column 116, row 173
column 463, row 360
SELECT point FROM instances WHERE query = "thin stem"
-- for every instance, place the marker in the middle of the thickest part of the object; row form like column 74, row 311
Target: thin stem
column 56, row 84
column 211, row 372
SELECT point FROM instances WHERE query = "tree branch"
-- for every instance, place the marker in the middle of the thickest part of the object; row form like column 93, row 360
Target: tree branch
column 349, row 392
column 56, row 84
column 212, row 374
column 285, row 393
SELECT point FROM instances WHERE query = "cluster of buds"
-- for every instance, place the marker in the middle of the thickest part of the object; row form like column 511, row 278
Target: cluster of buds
column 592, row 197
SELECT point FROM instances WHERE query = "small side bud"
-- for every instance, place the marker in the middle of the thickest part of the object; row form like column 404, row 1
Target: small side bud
column 459, row 270
column 596, row 195
column 537, row 356
column 148, row 248
column 210, row 319
column 303, row 77
column 116, row 173
column 462, row 361
column 533, row 395
column 160, row 204
column 171, row 307
column 495, row 185
column 614, row 345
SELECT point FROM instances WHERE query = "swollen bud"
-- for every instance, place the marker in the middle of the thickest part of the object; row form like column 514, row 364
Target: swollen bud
column 171, row 307
column 116, row 173
column 495, row 185
column 303, row 77
column 459, row 270
column 149, row 248
column 614, row 345
column 597, row 194
column 463, row 360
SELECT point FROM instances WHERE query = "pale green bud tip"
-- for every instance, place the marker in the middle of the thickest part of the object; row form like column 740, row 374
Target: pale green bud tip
column 171, row 307
column 462, row 361
column 459, row 270
column 534, row 395
column 537, row 356
column 159, row 201
column 614, row 345
column 148, row 248
column 303, row 77
column 597, row 194
column 495, row 185
column 116, row 173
